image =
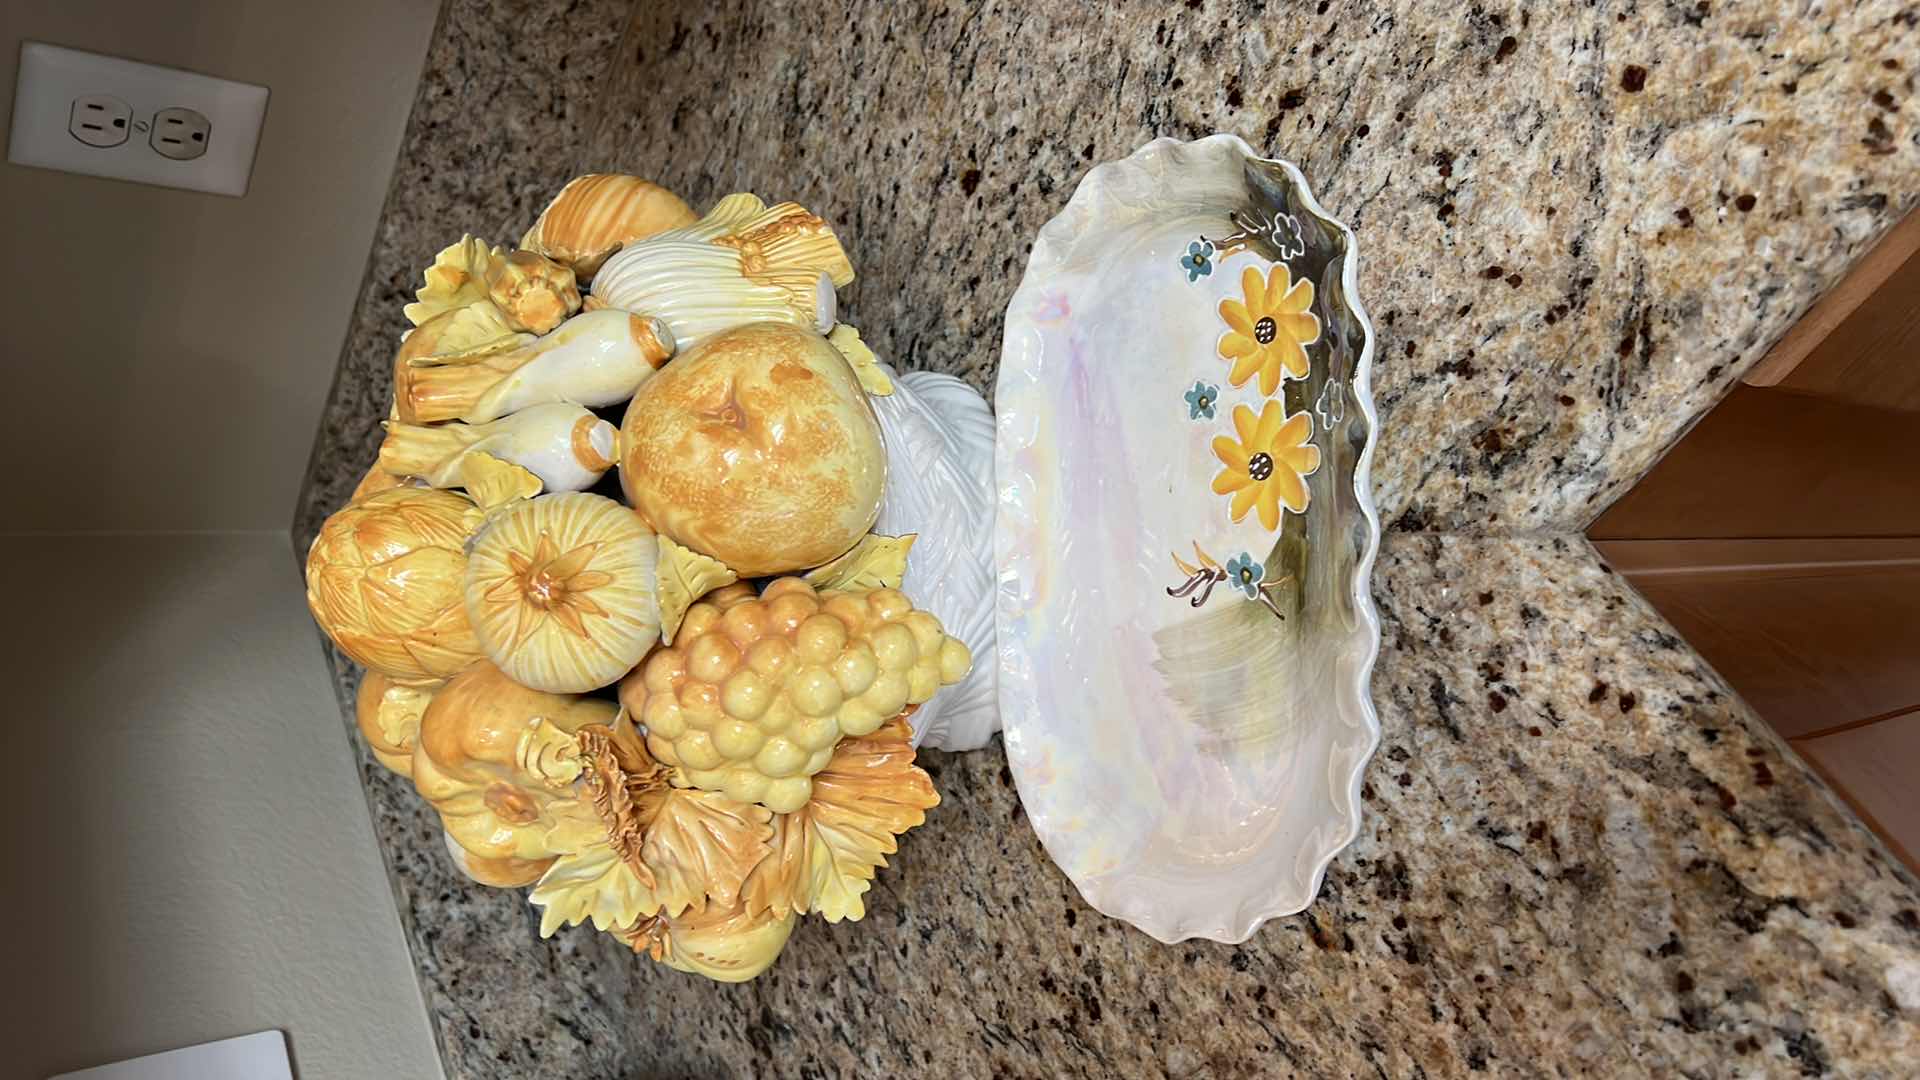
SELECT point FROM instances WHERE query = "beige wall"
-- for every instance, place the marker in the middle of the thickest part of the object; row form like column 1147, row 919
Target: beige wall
column 194, row 858
column 192, row 853
column 166, row 352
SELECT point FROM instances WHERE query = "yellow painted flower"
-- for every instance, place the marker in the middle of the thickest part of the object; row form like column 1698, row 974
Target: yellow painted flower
column 1267, row 465
column 1270, row 332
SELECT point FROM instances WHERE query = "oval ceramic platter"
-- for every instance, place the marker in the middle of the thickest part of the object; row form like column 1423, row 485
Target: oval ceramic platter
column 1183, row 539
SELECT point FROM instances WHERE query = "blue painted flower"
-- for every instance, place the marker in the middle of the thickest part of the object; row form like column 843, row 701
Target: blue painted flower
column 1245, row 574
column 1198, row 261
column 1200, row 401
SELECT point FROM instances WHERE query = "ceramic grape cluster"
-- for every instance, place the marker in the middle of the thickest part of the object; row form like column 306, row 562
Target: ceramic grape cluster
column 766, row 687
column 725, row 584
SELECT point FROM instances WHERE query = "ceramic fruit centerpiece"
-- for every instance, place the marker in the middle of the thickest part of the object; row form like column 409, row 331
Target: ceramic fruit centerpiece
column 655, row 569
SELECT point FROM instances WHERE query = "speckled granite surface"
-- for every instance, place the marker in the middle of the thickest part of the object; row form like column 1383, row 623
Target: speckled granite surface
column 1581, row 855
column 505, row 99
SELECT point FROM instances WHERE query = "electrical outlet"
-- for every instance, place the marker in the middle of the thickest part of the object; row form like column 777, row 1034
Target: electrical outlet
column 180, row 134
column 77, row 112
column 100, row 120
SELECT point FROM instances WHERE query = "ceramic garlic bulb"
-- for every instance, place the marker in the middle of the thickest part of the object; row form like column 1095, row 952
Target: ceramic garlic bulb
column 498, row 761
column 755, row 692
column 596, row 359
column 758, row 448
column 595, row 214
column 939, row 437
column 744, row 262
column 566, row 446
column 559, row 591
column 385, row 578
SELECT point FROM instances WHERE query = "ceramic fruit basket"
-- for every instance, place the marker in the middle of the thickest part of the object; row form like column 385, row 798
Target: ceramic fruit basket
column 1184, row 539
column 650, row 574
column 661, row 576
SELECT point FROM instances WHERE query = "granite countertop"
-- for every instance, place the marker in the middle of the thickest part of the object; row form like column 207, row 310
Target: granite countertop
column 1581, row 855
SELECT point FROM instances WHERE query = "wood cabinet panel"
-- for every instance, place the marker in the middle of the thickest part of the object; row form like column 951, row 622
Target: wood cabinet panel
column 1815, row 634
column 1874, row 769
column 1776, row 463
column 1860, row 342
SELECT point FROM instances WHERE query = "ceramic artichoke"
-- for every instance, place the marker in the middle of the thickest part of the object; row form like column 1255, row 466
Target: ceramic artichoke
column 384, row 581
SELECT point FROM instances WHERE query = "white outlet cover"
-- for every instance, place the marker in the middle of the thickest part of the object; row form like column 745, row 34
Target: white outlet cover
column 260, row 1056
column 51, row 77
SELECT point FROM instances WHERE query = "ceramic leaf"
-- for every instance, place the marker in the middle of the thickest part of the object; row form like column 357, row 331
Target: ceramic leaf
column 782, row 883
column 684, row 576
column 939, row 435
column 593, row 883
column 876, row 562
column 829, row 850
column 493, row 483
column 873, row 377
column 477, row 330
column 701, row 845
column 456, row 278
